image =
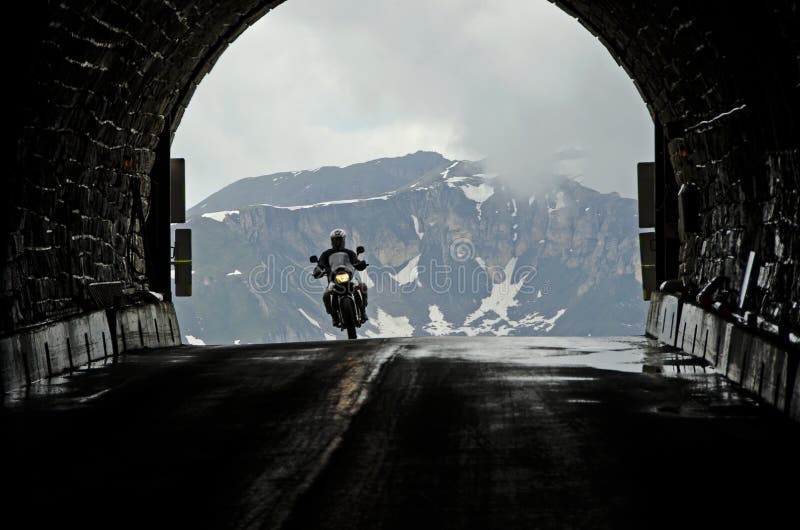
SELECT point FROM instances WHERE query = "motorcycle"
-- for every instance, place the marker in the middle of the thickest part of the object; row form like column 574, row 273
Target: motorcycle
column 345, row 302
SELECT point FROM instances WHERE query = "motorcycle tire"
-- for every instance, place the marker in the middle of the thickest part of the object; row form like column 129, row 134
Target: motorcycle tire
column 349, row 317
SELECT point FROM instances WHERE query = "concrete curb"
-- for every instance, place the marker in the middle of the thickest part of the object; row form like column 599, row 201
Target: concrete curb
column 663, row 318
column 758, row 365
column 54, row 348
column 62, row 346
column 146, row 326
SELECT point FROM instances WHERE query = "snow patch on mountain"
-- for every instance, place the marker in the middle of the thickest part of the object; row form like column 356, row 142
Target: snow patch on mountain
column 560, row 202
column 479, row 193
column 314, row 322
column 496, row 326
column 390, row 326
column 502, row 327
column 438, row 325
column 409, row 273
column 454, row 181
column 499, row 301
column 540, row 323
column 502, row 296
column 447, row 171
column 194, row 341
column 416, row 226
column 327, row 203
column 219, row 216
column 363, row 277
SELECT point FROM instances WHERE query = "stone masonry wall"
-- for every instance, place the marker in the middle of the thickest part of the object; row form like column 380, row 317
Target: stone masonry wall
column 97, row 81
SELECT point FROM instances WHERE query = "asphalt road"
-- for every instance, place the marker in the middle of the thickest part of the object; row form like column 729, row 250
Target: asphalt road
column 398, row 433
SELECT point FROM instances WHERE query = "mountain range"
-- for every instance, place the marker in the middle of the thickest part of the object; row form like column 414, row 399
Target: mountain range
column 452, row 248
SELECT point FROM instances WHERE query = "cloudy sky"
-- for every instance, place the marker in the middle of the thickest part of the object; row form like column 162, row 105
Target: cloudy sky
column 317, row 83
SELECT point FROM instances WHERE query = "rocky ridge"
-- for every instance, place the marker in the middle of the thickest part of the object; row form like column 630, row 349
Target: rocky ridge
column 453, row 251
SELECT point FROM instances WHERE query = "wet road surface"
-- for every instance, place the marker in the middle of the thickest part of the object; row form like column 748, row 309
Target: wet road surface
column 398, row 433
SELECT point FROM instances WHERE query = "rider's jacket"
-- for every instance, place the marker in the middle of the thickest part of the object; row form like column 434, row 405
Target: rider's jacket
column 323, row 265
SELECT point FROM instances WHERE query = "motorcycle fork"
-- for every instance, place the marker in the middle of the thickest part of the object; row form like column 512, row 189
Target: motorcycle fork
column 338, row 304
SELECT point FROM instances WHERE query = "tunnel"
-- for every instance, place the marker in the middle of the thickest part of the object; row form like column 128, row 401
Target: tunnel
column 99, row 89
column 484, row 432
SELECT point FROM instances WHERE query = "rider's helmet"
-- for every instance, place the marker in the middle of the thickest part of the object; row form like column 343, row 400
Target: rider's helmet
column 337, row 238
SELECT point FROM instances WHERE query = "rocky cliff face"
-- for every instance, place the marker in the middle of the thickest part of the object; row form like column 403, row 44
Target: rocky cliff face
column 454, row 251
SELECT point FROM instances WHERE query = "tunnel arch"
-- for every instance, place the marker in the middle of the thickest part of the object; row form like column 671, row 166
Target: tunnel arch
column 102, row 86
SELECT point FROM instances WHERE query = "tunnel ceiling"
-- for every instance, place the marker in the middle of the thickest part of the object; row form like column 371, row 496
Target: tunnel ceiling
column 98, row 81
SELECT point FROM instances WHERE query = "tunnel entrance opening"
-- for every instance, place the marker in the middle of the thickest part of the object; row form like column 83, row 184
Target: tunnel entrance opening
column 548, row 110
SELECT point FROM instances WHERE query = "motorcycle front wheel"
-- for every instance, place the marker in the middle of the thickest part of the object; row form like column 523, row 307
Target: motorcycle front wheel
column 349, row 317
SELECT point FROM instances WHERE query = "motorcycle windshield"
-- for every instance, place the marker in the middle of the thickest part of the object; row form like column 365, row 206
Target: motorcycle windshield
column 339, row 261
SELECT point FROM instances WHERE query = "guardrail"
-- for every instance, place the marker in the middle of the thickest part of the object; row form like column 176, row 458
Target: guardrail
column 756, row 363
column 59, row 347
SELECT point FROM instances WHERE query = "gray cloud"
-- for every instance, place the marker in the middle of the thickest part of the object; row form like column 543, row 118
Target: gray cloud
column 332, row 83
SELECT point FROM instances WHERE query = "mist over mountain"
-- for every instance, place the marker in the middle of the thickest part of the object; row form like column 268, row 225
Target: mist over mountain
column 453, row 250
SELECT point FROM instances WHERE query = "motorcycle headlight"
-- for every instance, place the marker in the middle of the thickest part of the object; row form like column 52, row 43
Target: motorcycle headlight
column 342, row 277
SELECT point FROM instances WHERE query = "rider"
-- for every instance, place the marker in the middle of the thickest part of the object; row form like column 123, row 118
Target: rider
column 338, row 237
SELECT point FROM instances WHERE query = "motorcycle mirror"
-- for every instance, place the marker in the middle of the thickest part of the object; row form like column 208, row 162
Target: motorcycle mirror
column 313, row 259
column 359, row 249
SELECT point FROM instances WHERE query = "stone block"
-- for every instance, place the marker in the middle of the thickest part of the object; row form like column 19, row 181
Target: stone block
column 737, row 348
column 13, row 369
column 702, row 333
column 794, row 410
column 146, row 326
column 690, row 325
column 90, row 338
column 653, row 313
column 766, row 372
column 53, row 348
column 669, row 320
